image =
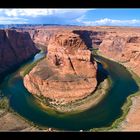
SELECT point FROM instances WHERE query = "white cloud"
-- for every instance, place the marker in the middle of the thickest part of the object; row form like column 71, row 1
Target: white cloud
column 38, row 15
column 107, row 21
column 10, row 20
column 41, row 12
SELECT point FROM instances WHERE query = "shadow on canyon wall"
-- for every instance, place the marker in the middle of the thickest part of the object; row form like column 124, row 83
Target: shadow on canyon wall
column 88, row 37
column 13, row 68
column 102, row 73
column 91, row 38
column 85, row 36
column 16, row 48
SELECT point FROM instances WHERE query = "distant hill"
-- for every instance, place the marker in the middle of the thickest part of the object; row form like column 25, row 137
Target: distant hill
column 17, row 26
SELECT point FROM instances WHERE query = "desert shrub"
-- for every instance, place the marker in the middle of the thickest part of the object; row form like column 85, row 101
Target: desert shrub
column 30, row 67
column 4, row 103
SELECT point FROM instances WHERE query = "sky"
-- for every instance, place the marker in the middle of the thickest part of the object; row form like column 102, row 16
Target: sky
column 82, row 17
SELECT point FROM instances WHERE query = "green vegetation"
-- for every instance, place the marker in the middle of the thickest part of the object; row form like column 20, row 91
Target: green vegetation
column 125, row 108
column 94, row 51
column 30, row 67
column 4, row 103
column 78, row 105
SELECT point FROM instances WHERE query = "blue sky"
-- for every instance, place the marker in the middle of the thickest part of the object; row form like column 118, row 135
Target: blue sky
column 87, row 17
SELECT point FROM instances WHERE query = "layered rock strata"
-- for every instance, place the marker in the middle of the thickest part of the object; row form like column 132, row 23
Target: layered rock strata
column 67, row 73
column 15, row 48
column 124, row 49
column 118, row 43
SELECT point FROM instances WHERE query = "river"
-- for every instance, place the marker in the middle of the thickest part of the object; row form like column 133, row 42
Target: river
column 103, row 114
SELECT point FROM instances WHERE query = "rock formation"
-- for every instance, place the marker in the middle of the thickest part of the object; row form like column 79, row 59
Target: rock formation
column 41, row 36
column 15, row 48
column 118, row 43
column 124, row 49
column 67, row 74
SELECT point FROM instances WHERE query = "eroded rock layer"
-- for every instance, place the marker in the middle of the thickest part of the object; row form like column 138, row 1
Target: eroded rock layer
column 118, row 43
column 15, row 48
column 124, row 49
column 67, row 73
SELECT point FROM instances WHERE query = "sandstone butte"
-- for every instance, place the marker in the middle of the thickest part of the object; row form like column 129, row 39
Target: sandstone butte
column 68, row 72
column 15, row 48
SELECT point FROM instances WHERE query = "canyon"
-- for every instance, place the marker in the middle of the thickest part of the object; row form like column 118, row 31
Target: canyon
column 121, row 44
column 15, row 48
column 118, row 43
column 67, row 74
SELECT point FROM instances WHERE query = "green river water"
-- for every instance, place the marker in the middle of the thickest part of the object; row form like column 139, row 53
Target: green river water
column 103, row 114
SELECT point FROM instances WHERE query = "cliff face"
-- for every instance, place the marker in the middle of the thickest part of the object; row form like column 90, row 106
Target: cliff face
column 42, row 36
column 124, row 49
column 67, row 73
column 15, row 47
column 118, row 43
column 92, row 38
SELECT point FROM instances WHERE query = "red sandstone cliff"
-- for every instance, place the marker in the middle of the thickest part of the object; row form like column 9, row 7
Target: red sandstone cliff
column 42, row 35
column 15, row 47
column 124, row 49
column 67, row 73
column 118, row 43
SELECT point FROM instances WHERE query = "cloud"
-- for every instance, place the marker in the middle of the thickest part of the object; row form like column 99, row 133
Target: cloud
column 59, row 16
column 42, row 12
column 38, row 15
column 10, row 20
column 107, row 21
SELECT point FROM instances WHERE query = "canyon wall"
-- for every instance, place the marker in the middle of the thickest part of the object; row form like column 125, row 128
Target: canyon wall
column 124, row 49
column 67, row 74
column 42, row 36
column 118, row 43
column 15, row 48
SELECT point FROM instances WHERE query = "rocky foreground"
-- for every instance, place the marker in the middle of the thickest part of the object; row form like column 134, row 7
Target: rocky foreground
column 11, row 121
column 15, row 48
column 67, row 74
